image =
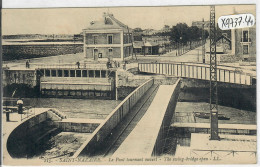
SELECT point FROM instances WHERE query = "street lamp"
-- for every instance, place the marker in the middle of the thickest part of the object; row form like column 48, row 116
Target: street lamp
column 181, row 45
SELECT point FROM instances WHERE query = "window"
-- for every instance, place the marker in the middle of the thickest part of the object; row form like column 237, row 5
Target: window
column 47, row 73
column 84, row 73
column 110, row 52
column 91, row 73
column 103, row 74
column 72, row 73
column 97, row 73
column 110, row 39
column 53, row 73
column 78, row 73
column 59, row 73
column 41, row 72
column 245, row 36
column 95, row 39
column 245, row 49
column 66, row 73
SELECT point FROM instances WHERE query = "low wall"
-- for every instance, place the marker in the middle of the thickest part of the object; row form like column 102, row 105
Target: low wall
column 22, row 136
column 232, row 95
column 12, row 52
column 221, row 130
column 166, row 122
column 112, row 120
column 76, row 127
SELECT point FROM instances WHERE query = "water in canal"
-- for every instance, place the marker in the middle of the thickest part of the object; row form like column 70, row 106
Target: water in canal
column 76, row 108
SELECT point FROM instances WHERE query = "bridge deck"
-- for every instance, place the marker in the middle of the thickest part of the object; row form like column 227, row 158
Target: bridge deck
column 141, row 141
column 121, row 132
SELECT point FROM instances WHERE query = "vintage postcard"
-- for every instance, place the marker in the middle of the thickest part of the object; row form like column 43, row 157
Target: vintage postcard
column 153, row 85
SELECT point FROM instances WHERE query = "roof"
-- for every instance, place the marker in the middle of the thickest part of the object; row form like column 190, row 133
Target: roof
column 138, row 44
column 223, row 36
column 108, row 22
column 151, row 43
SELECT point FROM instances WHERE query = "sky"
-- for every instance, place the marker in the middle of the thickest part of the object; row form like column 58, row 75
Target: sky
column 73, row 20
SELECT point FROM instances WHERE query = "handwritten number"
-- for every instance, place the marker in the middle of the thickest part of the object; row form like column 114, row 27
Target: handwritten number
column 236, row 22
column 243, row 20
column 240, row 20
column 223, row 22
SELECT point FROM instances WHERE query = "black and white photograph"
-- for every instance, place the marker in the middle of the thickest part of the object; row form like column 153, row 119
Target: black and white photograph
column 125, row 85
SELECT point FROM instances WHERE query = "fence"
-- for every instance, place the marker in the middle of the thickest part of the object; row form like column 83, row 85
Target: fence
column 112, row 120
column 197, row 71
column 30, row 111
column 99, row 66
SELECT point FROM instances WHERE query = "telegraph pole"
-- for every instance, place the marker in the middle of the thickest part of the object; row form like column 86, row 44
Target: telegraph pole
column 213, row 79
column 203, row 42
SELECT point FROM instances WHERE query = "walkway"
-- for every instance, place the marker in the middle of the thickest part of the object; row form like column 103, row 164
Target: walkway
column 121, row 132
column 146, row 138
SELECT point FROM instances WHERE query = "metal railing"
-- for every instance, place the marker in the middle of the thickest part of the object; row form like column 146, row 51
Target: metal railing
column 98, row 66
column 245, row 40
column 197, row 71
column 28, row 112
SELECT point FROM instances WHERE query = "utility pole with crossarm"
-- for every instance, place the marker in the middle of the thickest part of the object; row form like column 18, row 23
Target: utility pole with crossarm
column 213, row 79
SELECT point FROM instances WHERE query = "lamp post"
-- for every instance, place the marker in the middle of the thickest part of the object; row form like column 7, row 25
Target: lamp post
column 202, row 51
column 181, row 45
column 203, row 42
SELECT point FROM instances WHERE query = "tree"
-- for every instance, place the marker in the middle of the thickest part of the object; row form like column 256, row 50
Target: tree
column 180, row 33
column 138, row 29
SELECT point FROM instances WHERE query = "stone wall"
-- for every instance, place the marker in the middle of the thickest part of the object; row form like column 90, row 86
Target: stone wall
column 12, row 52
column 231, row 95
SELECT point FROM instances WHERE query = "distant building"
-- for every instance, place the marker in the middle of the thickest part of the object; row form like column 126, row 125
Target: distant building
column 137, row 36
column 108, row 39
column 146, row 47
column 200, row 23
column 149, row 32
column 244, row 46
column 165, row 29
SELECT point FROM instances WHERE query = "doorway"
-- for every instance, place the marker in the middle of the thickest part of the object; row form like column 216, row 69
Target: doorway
column 95, row 54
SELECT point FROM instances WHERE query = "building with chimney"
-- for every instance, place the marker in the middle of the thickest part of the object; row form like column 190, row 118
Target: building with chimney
column 108, row 39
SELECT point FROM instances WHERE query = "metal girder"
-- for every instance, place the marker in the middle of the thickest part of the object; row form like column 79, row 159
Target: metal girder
column 213, row 78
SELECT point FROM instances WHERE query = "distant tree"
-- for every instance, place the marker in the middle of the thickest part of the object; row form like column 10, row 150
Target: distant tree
column 180, row 33
column 166, row 26
column 138, row 29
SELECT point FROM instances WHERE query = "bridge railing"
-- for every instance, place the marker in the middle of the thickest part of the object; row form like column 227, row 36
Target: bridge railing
column 112, row 120
column 68, row 66
column 197, row 72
